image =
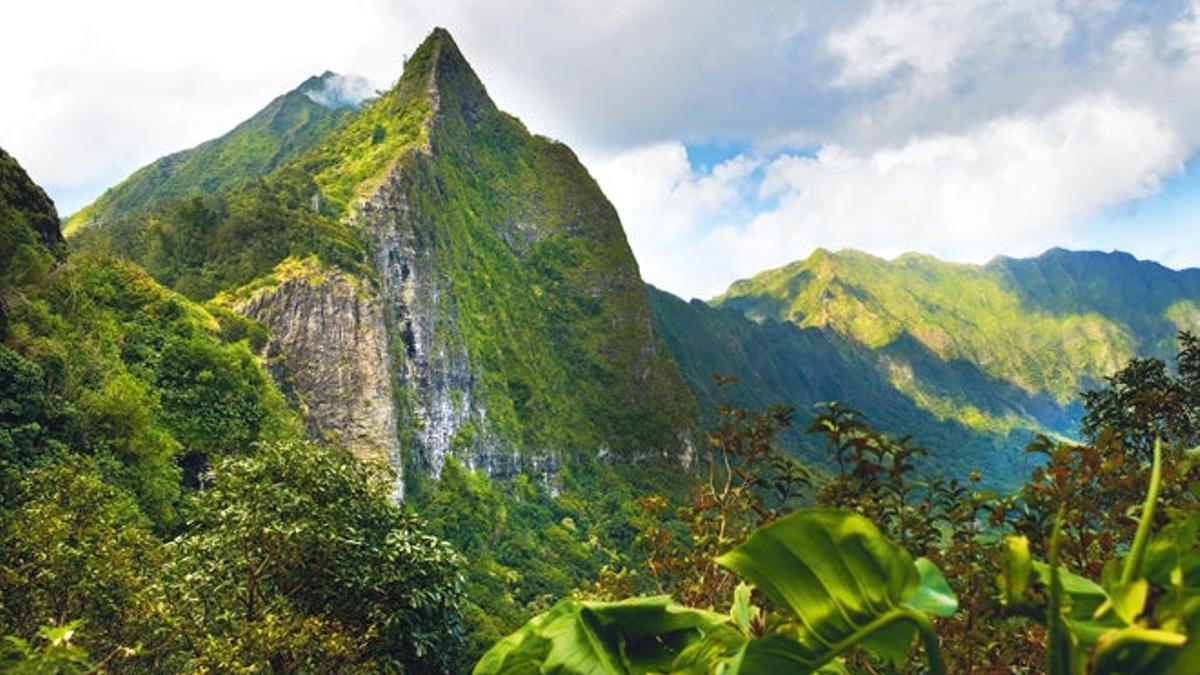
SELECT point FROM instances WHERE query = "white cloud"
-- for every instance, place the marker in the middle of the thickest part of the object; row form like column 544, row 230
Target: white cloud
column 668, row 209
column 342, row 90
column 930, row 37
column 1016, row 185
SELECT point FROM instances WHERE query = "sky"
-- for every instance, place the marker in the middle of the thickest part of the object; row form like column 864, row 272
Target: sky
column 731, row 136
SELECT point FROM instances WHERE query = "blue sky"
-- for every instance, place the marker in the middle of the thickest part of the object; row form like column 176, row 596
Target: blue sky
column 731, row 137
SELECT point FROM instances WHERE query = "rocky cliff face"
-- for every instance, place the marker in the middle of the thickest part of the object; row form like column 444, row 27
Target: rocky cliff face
column 504, row 321
column 433, row 368
column 328, row 350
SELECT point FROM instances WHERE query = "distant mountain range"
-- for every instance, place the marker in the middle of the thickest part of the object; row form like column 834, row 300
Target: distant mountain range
column 970, row 359
column 436, row 281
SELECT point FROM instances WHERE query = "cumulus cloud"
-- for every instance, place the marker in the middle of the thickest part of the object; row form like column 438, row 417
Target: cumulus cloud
column 1013, row 185
column 931, row 37
column 669, row 208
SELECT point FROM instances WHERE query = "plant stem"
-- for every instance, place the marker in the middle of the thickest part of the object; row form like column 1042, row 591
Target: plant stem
column 1133, row 564
column 933, row 653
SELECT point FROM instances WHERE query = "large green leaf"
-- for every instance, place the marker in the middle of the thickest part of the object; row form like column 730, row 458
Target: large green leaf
column 1083, row 595
column 934, row 595
column 845, row 583
column 577, row 637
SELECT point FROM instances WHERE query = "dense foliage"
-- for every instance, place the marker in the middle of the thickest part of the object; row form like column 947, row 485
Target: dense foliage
column 203, row 244
column 158, row 512
column 296, row 560
column 101, row 441
column 1102, row 511
column 105, row 363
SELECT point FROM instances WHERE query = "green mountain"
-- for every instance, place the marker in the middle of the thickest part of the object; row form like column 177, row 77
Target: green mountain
column 97, row 358
column 779, row 362
column 436, row 282
column 968, row 358
column 30, row 240
column 27, row 214
column 287, row 127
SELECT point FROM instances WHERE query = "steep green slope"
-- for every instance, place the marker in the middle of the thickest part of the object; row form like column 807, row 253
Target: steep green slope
column 156, row 506
column 778, row 362
column 956, row 311
column 98, row 359
column 30, row 241
column 203, row 244
column 495, row 248
column 286, row 128
column 1151, row 301
column 993, row 350
column 26, row 213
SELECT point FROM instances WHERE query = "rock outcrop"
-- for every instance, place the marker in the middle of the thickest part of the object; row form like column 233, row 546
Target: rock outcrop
column 328, row 350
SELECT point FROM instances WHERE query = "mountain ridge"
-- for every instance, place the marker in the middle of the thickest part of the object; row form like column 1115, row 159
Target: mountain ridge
column 971, row 356
column 283, row 129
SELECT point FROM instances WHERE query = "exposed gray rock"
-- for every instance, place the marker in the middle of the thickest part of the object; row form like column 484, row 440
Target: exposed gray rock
column 328, row 347
column 435, row 377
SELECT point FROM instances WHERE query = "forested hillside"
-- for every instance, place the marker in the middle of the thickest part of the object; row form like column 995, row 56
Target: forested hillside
column 780, row 362
column 974, row 360
column 156, row 497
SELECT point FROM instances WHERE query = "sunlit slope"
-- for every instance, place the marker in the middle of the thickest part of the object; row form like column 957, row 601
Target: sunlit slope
column 286, row 128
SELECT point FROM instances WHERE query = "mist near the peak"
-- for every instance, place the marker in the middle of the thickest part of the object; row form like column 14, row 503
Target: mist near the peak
column 338, row 91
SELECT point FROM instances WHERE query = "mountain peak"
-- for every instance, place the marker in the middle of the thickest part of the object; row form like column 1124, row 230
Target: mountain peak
column 333, row 90
column 453, row 87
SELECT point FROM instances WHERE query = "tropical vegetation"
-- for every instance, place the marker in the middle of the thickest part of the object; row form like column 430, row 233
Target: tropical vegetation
column 170, row 503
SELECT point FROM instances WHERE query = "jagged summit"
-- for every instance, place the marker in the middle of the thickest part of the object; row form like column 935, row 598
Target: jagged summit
column 453, row 84
column 439, row 73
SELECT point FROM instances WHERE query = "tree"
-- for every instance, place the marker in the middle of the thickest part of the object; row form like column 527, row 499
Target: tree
column 1143, row 401
column 748, row 482
column 297, row 560
column 75, row 549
